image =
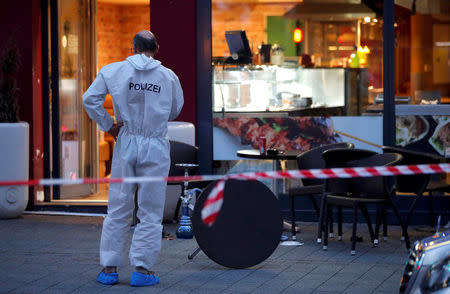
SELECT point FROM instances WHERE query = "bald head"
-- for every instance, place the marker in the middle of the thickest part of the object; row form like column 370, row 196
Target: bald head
column 145, row 42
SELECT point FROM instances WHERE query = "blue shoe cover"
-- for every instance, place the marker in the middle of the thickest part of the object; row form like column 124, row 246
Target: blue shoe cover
column 140, row 279
column 108, row 279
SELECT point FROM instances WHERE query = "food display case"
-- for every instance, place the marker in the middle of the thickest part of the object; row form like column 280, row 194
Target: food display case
column 295, row 108
column 294, row 90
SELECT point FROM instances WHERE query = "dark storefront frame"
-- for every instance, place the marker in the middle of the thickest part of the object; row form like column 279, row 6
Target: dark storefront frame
column 45, row 93
column 56, row 152
column 203, row 43
column 388, row 74
column 51, row 167
column 52, row 111
column 204, row 85
column 201, row 40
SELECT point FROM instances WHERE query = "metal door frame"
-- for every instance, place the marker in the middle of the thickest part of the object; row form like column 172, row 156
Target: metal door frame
column 51, row 80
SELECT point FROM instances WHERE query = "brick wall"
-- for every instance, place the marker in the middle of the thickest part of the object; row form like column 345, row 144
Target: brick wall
column 116, row 27
column 250, row 17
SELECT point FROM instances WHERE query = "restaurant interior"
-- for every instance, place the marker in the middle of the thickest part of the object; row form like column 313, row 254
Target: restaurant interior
column 269, row 55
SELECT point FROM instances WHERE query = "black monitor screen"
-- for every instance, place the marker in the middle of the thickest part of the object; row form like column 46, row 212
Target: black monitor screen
column 238, row 43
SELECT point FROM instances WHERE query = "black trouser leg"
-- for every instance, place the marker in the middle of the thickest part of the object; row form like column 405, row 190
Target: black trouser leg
column 330, row 220
column 366, row 215
column 340, row 223
column 294, row 237
column 325, row 233
column 411, row 210
column 377, row 224
column 384, row 214
column 355, row 220
column 321, row 219
column 404, row 227
column 316, row 207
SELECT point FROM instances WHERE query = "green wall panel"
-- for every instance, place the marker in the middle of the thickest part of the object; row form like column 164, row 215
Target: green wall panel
column 279, row 30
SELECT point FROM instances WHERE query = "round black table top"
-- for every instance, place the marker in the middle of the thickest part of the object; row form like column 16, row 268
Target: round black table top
column 255, row 154
column 247, row 229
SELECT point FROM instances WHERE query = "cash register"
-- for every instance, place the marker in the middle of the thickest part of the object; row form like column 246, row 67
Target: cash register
column 239, row 48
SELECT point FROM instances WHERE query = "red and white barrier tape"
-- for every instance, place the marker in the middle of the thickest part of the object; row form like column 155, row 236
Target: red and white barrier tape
column 215, row 198
column 214, row 201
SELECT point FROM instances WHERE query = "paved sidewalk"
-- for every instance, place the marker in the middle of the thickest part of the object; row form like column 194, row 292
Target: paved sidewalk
column 59, row 254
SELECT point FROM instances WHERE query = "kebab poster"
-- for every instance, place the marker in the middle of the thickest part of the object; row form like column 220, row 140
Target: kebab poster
column 299, row 133
column 420, row 133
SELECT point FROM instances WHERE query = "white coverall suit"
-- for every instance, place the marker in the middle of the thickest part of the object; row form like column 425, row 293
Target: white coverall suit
column 145, row 96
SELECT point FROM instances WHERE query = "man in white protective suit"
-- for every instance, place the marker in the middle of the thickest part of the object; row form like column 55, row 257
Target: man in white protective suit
column 146, row 95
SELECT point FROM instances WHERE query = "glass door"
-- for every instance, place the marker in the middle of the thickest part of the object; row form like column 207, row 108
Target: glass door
column 74, row 135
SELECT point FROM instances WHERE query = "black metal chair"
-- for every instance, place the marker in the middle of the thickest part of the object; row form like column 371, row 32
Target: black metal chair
column 339, row 161
column 179, row 153
column 309, row 160
column 357, row 192
column 418, row 184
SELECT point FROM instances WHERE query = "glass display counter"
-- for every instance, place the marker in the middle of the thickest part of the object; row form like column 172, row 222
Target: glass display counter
column 296, row 90
column 295, row 108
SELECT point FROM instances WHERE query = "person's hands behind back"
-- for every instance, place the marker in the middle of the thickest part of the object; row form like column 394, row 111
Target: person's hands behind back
column 114, row 130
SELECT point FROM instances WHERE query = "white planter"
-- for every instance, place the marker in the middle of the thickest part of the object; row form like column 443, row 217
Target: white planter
column 14, row 150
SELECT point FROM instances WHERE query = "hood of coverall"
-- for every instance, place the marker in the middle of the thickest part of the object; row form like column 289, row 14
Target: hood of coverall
column 142, row 62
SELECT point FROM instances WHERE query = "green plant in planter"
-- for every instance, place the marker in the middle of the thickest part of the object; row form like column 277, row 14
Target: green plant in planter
column 9, row 65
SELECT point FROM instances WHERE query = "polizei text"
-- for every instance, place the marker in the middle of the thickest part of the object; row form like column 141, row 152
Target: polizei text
column 144, row 87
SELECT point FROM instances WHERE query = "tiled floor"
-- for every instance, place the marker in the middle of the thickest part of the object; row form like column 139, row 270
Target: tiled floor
column 59, row 254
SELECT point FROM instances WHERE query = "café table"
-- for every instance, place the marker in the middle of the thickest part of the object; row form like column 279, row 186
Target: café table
column 281, row 155
column 255, row 154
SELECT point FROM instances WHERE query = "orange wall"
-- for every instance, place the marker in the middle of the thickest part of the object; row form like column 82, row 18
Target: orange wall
column 116, row 27
column 250, row 17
